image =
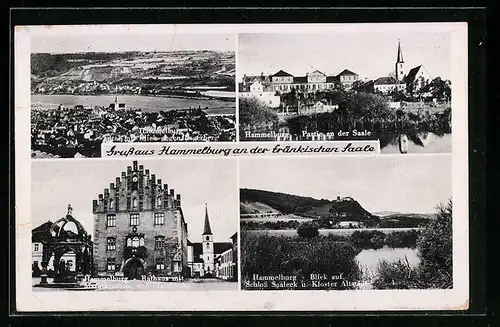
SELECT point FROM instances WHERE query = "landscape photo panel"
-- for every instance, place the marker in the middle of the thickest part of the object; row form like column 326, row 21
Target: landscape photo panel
column 328, row 89
column 92, row 88
column 348, row 224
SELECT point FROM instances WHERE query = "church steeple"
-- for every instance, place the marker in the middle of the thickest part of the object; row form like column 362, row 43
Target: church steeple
column 400, row 73
column 207, row 230
column 400, row 54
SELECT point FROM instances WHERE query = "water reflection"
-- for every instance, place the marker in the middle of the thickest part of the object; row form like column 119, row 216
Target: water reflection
column 415, row 143
column 369, row 259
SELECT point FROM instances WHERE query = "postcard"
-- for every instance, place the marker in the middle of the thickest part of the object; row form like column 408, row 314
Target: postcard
column 241, row 167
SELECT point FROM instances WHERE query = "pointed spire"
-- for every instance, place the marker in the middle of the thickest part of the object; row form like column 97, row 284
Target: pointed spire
column 400, row 53
column 207, row 229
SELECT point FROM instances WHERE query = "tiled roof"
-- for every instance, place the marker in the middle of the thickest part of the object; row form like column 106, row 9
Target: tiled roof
column 413, row 72
column 282, row 73
column 387, row 81
column 347, row 72
column 316, row 72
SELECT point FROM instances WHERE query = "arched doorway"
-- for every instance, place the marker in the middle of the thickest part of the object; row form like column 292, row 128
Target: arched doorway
column 133, row 269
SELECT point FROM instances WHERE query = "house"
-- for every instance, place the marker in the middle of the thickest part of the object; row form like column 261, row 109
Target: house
column 386, row 85
column 226, row 265
column 283, row 82
column 262, row 92
column 347, row 78
column 417, row 77
column 349, row 224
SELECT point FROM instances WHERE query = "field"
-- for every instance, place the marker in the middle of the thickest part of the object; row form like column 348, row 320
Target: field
column 255, row 207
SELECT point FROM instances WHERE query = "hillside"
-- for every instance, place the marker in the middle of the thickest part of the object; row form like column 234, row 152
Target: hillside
column 342, row 209
column 255, row 207
column 135, row 72
column 285, row 203
column 406, row 220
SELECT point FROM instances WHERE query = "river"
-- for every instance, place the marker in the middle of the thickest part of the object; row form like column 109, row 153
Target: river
column 431, row 144
column 368, row 259
column 145, row 103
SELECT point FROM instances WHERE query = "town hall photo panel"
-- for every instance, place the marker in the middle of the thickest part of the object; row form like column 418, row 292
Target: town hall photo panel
column 135, row 224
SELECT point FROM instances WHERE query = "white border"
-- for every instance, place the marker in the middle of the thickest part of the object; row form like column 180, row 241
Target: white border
column 455, row 299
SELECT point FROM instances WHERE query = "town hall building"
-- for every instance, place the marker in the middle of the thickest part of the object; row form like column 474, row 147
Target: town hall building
column 140, row 230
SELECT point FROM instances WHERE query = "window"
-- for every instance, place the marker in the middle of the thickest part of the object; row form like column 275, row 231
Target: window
column 159, row 242
column 111, row 264
column 111, row 220
column 208, row 245
column 134, row 219
column 208, row 238
column 135, row 242
column 37, row 247
column 111, row 244
column 159, row 218
column 160, row 264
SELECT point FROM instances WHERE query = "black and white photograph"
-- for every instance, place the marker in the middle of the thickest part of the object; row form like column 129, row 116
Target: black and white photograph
column 129, row 225
column 241, row 167
column 347, row 224
column 92, row 87
column 391, row 84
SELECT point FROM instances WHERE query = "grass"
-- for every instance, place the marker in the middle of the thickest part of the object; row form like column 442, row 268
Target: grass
column 269, row 255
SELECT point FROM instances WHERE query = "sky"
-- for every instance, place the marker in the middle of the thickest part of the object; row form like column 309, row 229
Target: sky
column 57, row 183
column 369, row 54
column 70, row 43
column 415, row 184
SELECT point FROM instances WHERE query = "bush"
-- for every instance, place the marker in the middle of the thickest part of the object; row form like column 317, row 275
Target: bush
column 307, row 230
column 368, row 239
column 435, row 248
column 396, row 275
column 404, row 239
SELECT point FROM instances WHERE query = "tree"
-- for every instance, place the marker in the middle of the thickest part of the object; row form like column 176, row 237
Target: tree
column 254, row 113
column 435, row 248
column 440, row 89
column 307, row 230
column 398, row 96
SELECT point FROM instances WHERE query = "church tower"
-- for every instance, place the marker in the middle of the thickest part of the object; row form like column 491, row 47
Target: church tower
column 208, row 246
column 400, row 72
